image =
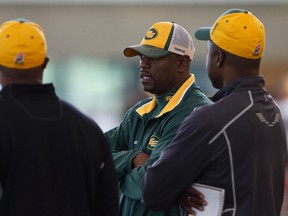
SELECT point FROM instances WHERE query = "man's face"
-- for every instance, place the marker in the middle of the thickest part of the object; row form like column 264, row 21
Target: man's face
column 212, row 65
column 159, row 75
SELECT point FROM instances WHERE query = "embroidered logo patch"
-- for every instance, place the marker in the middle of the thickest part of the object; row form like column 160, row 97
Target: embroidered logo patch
column 151, row 33
column 257, row 50
column 265, row 121
column 169, row 96
column 152, row 142
column 19, row 59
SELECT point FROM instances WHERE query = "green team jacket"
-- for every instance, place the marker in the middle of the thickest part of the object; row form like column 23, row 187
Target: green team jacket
column 149, row 126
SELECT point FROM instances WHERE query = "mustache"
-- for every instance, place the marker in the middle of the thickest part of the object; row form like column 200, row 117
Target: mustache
column 144, row 74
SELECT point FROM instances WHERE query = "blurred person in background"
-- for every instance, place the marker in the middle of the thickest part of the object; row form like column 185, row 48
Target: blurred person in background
column 239, row 142
column 280, row 91
column 165, row 52
column 53, row 159
column 281, row 96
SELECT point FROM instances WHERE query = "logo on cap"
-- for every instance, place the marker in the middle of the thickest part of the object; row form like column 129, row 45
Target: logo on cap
column 257, row 51
column 151, row 33
column 19, row 59
column 179, row 50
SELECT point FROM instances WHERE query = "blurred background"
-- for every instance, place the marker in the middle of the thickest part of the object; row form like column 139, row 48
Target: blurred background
column 86, row 39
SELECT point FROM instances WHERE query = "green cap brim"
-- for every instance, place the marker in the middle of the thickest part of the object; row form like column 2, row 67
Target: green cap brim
column 203, row 33
column 145, row 50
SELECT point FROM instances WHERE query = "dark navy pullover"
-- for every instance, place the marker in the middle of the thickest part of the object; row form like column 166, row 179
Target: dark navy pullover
column 238, row 144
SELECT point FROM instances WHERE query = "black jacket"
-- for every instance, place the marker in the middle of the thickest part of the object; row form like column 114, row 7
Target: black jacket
column 54, row 161
column 238, row 144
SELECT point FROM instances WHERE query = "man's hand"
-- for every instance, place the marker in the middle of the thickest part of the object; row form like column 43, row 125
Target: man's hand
column 140, row 159
column 192, row 198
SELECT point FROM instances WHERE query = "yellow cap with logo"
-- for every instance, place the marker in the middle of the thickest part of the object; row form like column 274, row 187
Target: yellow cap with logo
column 161, row 39
column 22, row 44
column 238, row 32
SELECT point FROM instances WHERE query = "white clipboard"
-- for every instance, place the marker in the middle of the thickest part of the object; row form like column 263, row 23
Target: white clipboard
column 214, row 197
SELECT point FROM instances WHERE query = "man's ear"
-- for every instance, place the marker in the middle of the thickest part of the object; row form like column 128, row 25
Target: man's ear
column 44, row 65
column 220, row 58
column 183, row 62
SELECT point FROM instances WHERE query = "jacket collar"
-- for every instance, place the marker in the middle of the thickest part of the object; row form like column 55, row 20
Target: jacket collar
column 246, row 83
column 175, row 100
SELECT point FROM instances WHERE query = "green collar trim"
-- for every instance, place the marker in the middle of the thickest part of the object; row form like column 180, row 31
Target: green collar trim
column 176, row 99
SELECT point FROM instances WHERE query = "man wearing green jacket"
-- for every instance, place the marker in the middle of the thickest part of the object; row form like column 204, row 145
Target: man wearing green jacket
column 166, row 52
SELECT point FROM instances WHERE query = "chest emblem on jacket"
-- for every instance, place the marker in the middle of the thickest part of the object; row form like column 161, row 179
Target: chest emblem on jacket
column 268, row 123
column 169, row 96
column 152, row 142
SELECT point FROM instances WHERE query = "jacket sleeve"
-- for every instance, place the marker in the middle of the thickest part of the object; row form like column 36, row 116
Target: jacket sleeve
column 123, row 162
column 122, row 155
column 131, row 185
column 177, row 167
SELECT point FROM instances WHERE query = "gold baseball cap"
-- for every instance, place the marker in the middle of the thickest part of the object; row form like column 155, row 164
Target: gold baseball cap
column 161, row 39
column 238, row 32
column 22, row 44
